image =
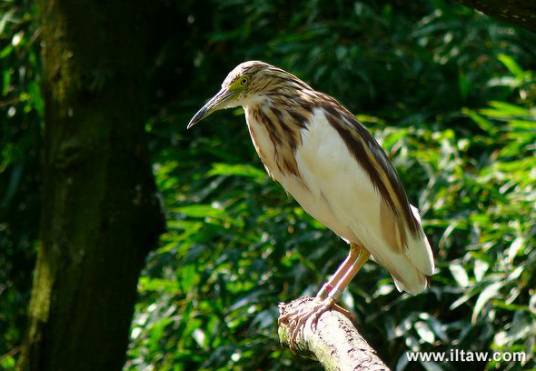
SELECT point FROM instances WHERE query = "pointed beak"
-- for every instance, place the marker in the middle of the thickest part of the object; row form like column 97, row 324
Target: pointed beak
column 217, row 102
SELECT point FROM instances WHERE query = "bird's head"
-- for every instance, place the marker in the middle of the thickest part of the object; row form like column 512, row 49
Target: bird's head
column 247, row 82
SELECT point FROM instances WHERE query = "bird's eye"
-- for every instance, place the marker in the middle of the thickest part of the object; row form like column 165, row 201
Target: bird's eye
column 243, row 81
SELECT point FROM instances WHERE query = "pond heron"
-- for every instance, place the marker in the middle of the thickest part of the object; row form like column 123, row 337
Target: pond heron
column 336, row 171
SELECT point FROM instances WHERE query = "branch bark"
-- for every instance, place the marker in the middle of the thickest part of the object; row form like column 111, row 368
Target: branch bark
column 518, row 12
column 336, row 343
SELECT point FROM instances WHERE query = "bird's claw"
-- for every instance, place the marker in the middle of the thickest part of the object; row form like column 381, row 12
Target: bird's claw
column 345, row 312
column 297, row 319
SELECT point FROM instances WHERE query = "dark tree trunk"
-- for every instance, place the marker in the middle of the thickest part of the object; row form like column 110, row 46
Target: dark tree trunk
column 519, row 12
column 100, row 214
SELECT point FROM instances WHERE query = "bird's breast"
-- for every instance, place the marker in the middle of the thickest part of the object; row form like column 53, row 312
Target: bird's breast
column 284, row 163
column 275, row 140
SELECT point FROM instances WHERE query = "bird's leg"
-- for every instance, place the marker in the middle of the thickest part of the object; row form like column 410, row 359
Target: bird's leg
column 343, row 268
column 333, row 289
column 328, row 295
column 349, row 274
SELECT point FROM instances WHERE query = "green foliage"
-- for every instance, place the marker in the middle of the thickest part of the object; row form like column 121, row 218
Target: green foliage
column 449, row 93
column 20, row 108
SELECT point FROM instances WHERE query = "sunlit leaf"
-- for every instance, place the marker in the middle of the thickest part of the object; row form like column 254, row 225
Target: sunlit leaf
column 459, row 274
column 237, row 170
column 511, row 64
column 425, row 332
column 485, row 296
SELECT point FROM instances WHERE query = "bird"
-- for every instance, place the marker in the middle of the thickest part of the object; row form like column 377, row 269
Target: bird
column 336, row 170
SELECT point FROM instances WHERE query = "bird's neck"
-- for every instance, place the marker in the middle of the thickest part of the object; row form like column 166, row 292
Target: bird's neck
column 284, row 109
column 275, row 130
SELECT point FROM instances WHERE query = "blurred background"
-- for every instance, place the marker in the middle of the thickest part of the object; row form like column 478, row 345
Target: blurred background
column 448, row 92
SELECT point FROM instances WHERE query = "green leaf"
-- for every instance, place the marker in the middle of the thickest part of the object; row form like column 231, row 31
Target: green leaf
column 464, row 85
column 486, row 295
column 237, row 170
column 514, row 248
column 510, row 109
column 512, row 65
column 425, row 332
column 459, row 274
column 7, row 17
column 482, row 122
column 36, row 98
column 200, row 211
column 6, row 81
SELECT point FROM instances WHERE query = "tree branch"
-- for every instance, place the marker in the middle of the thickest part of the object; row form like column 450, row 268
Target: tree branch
column 336, row 343
column 518, row 12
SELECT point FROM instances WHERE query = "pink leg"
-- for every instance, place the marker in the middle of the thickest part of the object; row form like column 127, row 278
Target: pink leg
column 341, row 271
column 349, row 274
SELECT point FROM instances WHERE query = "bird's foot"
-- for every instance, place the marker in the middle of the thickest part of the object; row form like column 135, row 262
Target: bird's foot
column 296, row 319
column 344, row 312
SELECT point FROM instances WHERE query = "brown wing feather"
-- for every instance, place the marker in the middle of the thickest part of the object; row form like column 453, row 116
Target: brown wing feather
column 396, row 211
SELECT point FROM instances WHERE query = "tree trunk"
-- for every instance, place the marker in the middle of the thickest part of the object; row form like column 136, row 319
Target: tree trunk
column 519, row 12
column 100, row 214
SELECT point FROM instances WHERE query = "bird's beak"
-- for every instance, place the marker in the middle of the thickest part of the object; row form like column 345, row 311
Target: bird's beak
column 217, row 102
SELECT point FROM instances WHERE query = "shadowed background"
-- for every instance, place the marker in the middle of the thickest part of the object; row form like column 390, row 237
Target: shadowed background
column 448, row 92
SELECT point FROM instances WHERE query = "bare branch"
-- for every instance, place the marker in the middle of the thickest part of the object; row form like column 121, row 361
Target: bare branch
column 335, row 343
column 518, row 12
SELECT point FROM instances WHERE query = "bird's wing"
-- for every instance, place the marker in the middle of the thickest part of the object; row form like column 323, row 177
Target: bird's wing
column 344, row 165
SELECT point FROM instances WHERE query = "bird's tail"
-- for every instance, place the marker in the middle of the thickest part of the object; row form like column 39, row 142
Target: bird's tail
column 411, row 268
column 419, row 259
